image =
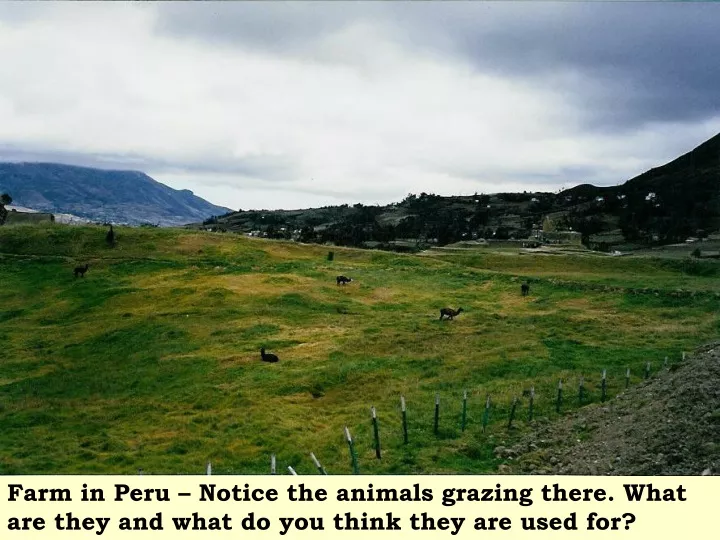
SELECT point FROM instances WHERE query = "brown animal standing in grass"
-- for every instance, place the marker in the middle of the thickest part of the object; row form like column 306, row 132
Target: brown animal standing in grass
column 267, row 357
column 525, row 289
column 449, row 313
column 80, row 270
column 342, row 280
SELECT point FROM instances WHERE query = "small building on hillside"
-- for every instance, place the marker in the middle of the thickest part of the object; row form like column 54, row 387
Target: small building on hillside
column 606, row 240
column 28, row 218
column 562, row 237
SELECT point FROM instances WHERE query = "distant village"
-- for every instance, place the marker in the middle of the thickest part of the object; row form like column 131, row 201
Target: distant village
column 505, row 220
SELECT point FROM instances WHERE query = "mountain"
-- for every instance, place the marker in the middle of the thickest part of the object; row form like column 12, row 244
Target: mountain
column 664, row 205
column 101, row 195
column 668, row 203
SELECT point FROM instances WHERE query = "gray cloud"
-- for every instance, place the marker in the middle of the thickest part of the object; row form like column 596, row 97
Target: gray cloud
column 296, row 103
column 276, row 169
column 18, row 13
column 622, row 65
column 279, row 27
column 639, row 62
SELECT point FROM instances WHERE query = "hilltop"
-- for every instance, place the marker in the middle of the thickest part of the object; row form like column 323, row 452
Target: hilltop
column 127, row 197
column 665, row 205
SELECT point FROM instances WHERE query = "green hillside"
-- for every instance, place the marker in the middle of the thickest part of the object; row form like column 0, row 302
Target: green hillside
column 152, row 360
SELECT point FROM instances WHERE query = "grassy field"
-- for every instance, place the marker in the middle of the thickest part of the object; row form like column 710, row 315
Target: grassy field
column 152, row 361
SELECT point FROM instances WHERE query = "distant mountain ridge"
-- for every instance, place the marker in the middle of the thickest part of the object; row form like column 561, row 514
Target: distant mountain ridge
column 667, row 204
column 129, row 197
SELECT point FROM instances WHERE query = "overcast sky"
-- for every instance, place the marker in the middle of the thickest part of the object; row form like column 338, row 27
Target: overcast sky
column 290, row 105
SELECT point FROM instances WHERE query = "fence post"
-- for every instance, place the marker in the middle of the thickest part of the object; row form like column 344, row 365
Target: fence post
column 404, row 419
column 464, row 411
column 581, row 390
column 208, row 469
column 665, row 363
column 604, row 385
column 532, row 402
column 647, row 370
column 437, row 414
column 353, row 455
column 627, row 378
column 272, row 463
column 486, row 414
column 558, row 401
column 292, row 471
column 317, row 464
column 512, row 412
column 376, row 432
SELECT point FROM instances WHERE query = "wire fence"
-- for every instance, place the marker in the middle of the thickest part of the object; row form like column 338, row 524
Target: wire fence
column 489, row 415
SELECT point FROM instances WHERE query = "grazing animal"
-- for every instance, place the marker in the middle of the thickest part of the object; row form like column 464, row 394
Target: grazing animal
column 110, row 237
column 449, row 313
column 80, row 270
column 267, row 357
column 525, row 289
column 342, row 280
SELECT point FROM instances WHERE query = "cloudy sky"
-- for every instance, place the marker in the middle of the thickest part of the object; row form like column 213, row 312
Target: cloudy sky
column 289, row 105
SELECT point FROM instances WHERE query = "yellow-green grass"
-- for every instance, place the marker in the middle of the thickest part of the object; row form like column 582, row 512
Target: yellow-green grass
column 152, row 360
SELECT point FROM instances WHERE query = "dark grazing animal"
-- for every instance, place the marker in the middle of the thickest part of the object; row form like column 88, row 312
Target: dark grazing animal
column 449, row 313
column 110, row 237
column 342, row 280
column 80, row 270
column 525, row 289
column 267, row 357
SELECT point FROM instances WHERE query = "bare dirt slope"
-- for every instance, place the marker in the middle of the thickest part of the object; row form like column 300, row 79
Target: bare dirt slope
column 668, row 425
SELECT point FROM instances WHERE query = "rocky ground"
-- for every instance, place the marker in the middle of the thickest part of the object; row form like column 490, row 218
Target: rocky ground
column 668, row 425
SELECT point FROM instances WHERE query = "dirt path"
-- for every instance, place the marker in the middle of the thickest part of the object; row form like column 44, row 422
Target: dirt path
column 669, row 425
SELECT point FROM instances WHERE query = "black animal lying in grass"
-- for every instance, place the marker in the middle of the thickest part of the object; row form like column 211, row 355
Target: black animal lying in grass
column 449, row 313
column 525, row 289
column 267, row 357
column 342, row 280
column 80, row 270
